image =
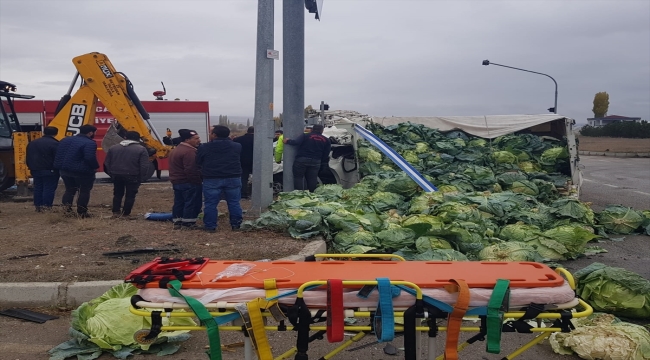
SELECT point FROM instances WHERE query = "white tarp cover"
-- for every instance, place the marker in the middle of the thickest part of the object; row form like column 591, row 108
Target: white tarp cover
column 488, row 127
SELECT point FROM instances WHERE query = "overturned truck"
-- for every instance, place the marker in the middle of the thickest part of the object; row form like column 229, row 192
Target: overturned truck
column 424, row 148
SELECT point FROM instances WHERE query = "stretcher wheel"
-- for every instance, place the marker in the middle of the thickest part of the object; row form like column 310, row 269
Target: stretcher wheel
column 140, row 335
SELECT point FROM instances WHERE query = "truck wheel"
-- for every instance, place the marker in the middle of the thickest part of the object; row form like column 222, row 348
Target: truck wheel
column 5, row 180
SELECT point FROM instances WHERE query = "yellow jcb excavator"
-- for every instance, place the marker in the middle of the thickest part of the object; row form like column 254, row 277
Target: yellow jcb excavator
column 99, row 80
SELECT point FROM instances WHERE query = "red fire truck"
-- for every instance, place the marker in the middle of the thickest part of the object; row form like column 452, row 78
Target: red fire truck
column 164, row 114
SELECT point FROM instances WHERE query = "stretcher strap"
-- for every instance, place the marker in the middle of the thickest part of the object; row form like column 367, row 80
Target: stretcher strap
column 335, row 324
column 455, row 320
column 482, row 310
column 204, row 316
column 384, row 318
column 304, row 321
column 255, row 329
column 273, row 306
column 498, row 303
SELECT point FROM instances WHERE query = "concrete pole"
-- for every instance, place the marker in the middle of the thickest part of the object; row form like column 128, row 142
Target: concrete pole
column 262, row 194
column 293, row 81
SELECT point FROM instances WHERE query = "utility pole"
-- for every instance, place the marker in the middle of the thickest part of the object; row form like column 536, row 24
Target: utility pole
column 262, row 194
column 293, row 81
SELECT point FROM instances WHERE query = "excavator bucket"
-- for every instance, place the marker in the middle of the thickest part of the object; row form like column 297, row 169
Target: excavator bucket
column 111, row 138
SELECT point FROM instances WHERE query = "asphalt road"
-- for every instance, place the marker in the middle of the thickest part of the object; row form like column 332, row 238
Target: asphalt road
column 623, row 181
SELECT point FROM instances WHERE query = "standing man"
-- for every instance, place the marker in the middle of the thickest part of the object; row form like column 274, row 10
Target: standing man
column 185, row 177
column 221, row 172
column 76, row 160
column 313, row 152
column 128, row 165
column 246, row 159
column 279, row 147
column 40, row 161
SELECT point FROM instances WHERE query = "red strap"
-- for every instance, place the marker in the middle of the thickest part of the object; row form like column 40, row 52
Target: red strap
column 335, row 313
column 455, row 320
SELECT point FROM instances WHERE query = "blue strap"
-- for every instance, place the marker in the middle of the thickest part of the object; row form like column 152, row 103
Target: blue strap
column 444, row 306
column 292, row 292
column 384, row 318
column 396, row 158
column 366, row 290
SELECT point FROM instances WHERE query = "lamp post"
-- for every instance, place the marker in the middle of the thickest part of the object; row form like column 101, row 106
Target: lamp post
column 554, row 109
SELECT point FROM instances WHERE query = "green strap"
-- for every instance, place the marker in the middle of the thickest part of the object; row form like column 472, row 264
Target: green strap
column 498, row 303
column 204, row 316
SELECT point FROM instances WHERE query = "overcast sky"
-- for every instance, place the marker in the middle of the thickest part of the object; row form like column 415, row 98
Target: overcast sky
column 381, row 57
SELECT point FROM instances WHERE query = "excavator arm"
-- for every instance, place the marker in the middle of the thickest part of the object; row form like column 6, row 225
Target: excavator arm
column 100, row 80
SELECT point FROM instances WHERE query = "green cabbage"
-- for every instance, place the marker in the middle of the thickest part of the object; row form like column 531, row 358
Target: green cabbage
column 344, row 239
column 424, row 243
column 573, row 237
column 507, row 251
column 421, row 148
column 383, row 201
column 614, row 290
column 518, row 232
column 524, row 187
column 423, row 224
column 603, row 336
column 553, row 155
column 421, row 204
column 396, row 238
column 620, row 219
column 369, row 155
column 504, row 157
column 107, row 322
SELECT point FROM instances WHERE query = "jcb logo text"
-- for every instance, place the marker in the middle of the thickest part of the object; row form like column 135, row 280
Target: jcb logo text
column 76, row 119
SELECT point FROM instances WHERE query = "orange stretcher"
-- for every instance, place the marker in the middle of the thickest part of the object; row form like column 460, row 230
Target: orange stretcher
column 339, row 280
column 426, row 274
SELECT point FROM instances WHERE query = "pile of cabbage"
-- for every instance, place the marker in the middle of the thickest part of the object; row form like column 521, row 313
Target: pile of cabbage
column 498, row 200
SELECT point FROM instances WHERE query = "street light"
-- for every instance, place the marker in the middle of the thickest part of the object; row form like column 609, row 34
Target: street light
column 553, row 109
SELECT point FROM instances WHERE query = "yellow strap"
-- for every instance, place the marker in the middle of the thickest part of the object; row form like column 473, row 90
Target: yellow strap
column 257, row 328
column 271, row 288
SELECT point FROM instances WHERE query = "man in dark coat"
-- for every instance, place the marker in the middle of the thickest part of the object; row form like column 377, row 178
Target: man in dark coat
column 312, row 154
column 246, row 159
column 128, row 165
column 40, row 161
column 76, row 159
column 221, row 172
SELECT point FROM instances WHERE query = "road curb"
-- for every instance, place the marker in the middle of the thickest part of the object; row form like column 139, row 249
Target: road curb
column 615, row 154
column 73, row 294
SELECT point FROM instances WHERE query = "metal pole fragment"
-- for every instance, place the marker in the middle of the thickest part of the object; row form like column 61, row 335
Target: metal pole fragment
column 293, row 81
column 262, row 194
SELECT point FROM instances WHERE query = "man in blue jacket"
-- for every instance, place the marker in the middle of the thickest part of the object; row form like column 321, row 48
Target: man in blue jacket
column 221, row 171
column 40, row 161
column 76, row 159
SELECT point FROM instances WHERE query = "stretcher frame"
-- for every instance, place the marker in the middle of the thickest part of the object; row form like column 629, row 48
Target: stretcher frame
column 560, row 314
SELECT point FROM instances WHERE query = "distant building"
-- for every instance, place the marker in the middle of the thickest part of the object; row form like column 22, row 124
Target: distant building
column 597, row 122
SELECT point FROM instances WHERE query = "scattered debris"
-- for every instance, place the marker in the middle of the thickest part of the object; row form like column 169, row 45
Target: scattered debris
column 26, row 256
column 126, row 240
column 122, row 254
column 28, row 315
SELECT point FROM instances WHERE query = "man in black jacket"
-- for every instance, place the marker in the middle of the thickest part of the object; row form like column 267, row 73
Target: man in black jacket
column 313, row 153
column 40, row 161
column 128, row 165
column 246, row 159
column 220, row 168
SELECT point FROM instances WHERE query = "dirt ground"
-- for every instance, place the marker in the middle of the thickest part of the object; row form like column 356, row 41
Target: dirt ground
column 588, row 143
column 53, row 247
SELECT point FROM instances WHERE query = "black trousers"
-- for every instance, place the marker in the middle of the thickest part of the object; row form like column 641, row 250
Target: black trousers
column 124, row 186
column 82, row 183
column 305, row 173
column 246, row 171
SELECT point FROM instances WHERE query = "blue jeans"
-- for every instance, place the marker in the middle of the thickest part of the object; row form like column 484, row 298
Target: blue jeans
column 230, row 188
column 187, row 203
column 45, row 184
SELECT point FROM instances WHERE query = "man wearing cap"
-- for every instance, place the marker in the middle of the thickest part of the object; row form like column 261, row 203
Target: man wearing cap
column 246, row 159
column 128, row 165
column 185, row 177
column 221, row 172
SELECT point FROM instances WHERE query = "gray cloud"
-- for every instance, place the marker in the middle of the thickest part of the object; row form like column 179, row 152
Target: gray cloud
column 379, row 57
